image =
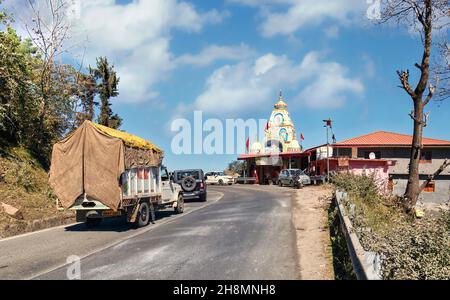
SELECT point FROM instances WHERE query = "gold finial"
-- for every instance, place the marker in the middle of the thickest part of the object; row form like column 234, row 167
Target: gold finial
column 280, row 104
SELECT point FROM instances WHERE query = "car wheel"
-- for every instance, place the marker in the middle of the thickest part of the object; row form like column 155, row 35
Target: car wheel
column 188, row 184
column 180, row 205
column 143, row 216
column 203, row 198
column 291, row 183
column 93, row 222
column 220, row 182
column 280, row 183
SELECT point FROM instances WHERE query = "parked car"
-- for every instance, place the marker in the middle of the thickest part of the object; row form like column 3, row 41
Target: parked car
column 218, row 178
column 293, row 178
column 192, row 183
column 301, row 179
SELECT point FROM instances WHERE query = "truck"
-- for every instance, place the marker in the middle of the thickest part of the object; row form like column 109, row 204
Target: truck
column 100, row 172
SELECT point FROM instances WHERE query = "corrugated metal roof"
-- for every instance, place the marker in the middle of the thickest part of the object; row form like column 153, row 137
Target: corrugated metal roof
column 385, row 138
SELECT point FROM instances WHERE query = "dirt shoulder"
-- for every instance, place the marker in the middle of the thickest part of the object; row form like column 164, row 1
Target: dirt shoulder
column 310, row 219
column 24, row 186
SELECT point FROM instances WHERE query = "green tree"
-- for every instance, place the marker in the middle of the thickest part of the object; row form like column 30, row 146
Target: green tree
column 107, row 82
column 237, row 166
column 16, row 107
column 86, row 92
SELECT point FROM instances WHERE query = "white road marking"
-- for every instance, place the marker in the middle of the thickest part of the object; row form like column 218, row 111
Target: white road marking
column 143, row 230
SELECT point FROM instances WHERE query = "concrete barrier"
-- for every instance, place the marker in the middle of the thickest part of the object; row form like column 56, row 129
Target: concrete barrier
column 366, row 264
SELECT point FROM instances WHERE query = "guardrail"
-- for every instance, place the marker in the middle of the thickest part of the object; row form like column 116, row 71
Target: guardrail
column 366, row 264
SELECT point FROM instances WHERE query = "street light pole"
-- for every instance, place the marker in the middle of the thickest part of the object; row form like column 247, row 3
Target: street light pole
column 328, row 157
column 328, row 126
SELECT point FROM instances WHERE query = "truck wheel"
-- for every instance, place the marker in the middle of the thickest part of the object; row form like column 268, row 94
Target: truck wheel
column 93, row 222
column 143, row 215
column 220, row 182
column 180, row 205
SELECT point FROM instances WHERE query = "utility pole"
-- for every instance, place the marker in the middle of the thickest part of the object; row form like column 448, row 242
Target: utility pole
column 328, row 126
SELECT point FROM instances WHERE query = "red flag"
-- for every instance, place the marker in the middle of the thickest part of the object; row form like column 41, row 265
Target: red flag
column 329, row 123
column 301, row 137
column 247, row 143
column 267, row 126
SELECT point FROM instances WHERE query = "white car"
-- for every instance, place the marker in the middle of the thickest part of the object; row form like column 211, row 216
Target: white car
column 218, row 178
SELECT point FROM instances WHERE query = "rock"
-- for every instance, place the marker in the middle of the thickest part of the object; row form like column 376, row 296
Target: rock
column 12, row 211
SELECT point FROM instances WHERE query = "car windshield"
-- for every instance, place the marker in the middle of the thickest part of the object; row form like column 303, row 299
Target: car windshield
column 298, row 173
column 192, row 173
column 220, row 174
column 294, row 171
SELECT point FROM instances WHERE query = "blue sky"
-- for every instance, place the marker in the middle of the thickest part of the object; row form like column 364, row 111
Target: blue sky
column 229, row 59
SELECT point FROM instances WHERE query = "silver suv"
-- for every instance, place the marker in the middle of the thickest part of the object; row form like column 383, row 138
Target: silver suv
column 293, row 178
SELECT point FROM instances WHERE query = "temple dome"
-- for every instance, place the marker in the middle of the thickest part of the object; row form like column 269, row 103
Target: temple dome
column 280, row 104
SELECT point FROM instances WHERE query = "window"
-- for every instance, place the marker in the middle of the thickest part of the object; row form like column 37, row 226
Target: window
column 188, row 173
column 430, row 187
column 164, row 174
column 425, row 157
column 377, row 154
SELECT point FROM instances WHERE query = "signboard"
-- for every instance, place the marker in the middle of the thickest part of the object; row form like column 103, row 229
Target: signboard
column 269, row 161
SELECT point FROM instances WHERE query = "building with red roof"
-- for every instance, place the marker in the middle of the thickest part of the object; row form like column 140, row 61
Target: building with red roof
column 386, row 154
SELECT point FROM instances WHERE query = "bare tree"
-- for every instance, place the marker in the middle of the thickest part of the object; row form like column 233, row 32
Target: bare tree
column 442, row 72
column 48, row 30
column 425, row 17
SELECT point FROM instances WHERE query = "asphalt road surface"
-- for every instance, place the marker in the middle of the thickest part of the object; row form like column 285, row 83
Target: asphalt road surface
column 243, row 232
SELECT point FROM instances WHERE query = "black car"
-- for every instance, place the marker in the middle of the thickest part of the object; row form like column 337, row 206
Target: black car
column 192, row 182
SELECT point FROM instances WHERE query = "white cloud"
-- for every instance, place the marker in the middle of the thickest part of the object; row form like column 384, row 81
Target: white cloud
column 253, row 84
column 330, row 86
column 135, row 37
column 214, row 53
column 285, row 17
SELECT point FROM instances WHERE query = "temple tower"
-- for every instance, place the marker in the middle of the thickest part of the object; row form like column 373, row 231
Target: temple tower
column 280, row 134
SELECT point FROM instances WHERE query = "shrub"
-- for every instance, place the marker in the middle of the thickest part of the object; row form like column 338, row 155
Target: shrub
column 410, row 249
column 361, row 186
column 420, row 250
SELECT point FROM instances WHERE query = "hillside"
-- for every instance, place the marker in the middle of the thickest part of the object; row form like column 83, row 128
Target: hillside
column 24, row 185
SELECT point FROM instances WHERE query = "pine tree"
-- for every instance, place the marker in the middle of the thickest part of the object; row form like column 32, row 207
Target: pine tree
column 107, row 88
column 87, row 90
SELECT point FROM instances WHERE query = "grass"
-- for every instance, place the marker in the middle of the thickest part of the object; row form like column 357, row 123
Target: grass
column 342, row 263
column 24, row 185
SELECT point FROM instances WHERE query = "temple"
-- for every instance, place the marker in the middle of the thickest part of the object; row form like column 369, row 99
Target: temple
column 279, row 150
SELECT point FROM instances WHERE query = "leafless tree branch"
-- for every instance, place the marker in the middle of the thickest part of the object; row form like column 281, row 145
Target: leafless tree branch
column 431, row 177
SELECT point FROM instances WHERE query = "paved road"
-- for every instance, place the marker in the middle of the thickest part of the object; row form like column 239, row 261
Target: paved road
column 248, row 234
column 28, row 255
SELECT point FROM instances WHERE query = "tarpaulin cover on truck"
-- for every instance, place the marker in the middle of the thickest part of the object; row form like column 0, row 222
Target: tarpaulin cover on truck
column 91, row 159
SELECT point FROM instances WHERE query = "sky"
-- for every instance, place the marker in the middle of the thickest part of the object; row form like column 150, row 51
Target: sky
column 230, row 58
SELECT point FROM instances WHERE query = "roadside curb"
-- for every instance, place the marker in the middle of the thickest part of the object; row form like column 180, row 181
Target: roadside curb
column 142, row 231
column 366, row 264
column 38, row 225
